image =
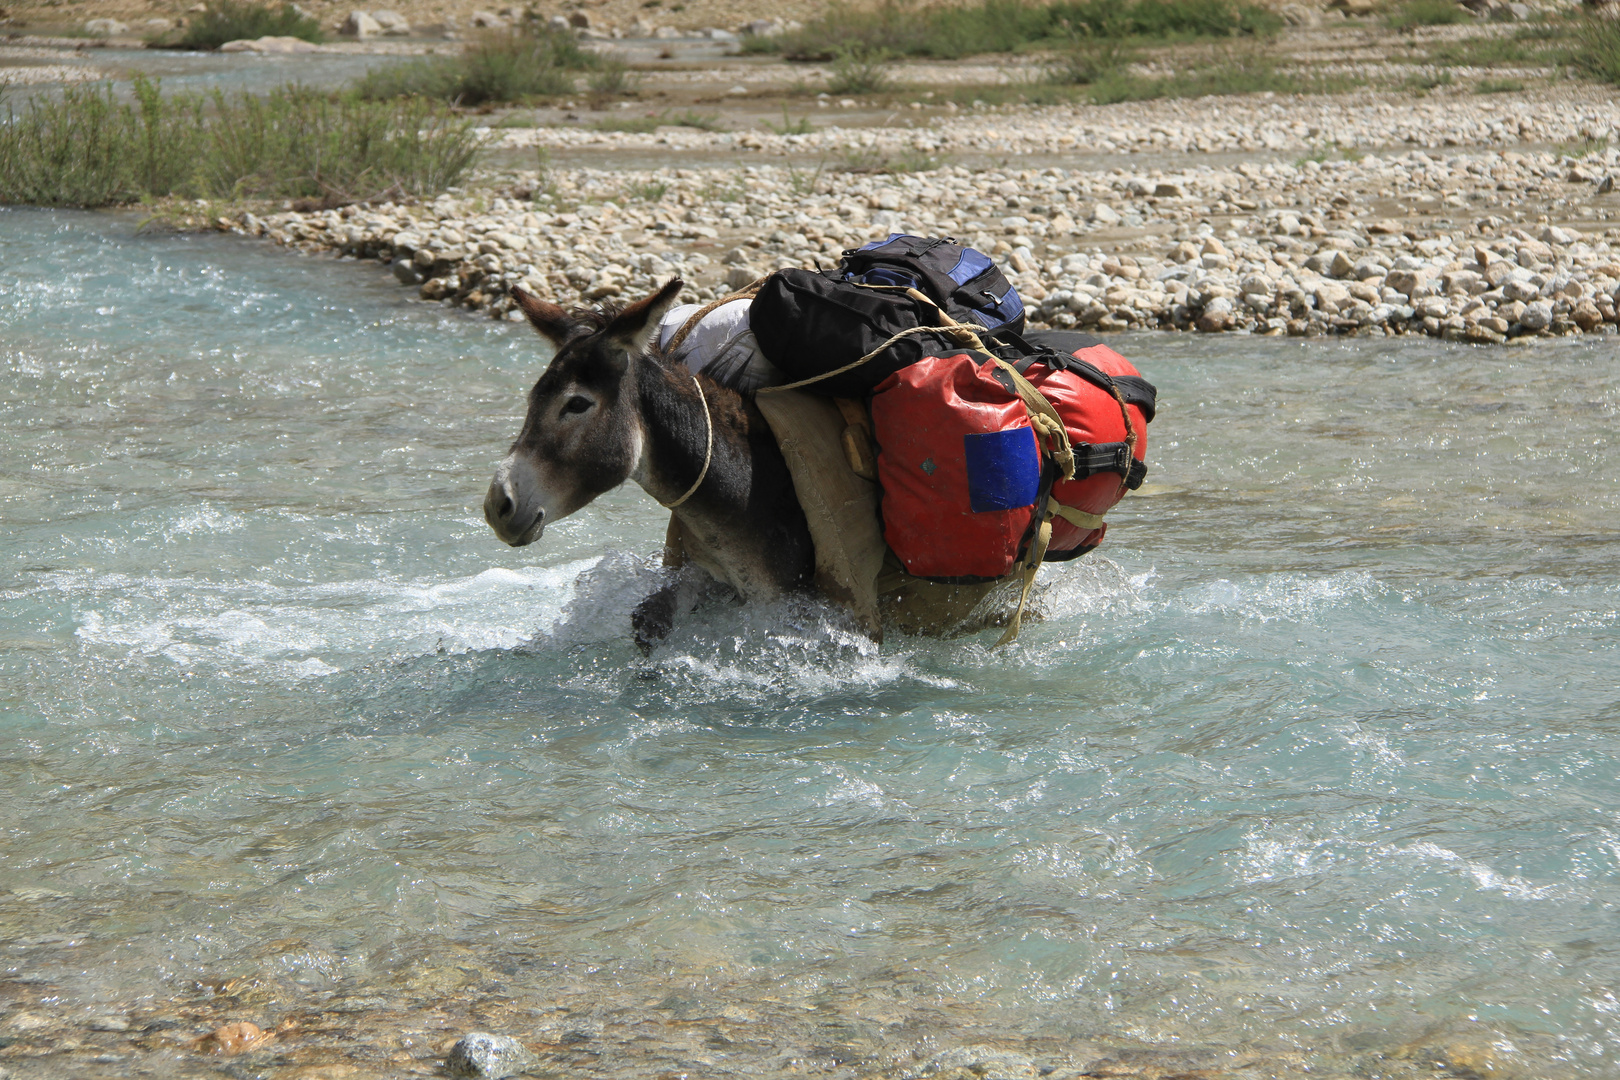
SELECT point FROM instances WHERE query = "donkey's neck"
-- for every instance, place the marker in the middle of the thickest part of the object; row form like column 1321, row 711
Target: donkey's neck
column 676, row 433
column 743, row 523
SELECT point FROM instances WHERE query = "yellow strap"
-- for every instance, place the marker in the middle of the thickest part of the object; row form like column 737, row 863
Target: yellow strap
column 1037, row 552
column 1044, row 419
column 1078, row 518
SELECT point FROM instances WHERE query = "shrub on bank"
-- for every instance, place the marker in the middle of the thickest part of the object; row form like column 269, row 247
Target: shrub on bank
column 860, row 72
column 1529, row 45
column 232, row 20
column 500, row 67
column 1415, row 13
column 1229, row 71
column 948, row 32
column 1597, row 48
column 90, row 149
column 1086, row 61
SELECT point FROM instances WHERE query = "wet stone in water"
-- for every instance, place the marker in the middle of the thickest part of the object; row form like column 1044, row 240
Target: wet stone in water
column 488, row 1057
column 985, row 1062
column 231, row 1039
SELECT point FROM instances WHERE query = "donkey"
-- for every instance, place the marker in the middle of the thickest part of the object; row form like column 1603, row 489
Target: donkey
column 609, row 408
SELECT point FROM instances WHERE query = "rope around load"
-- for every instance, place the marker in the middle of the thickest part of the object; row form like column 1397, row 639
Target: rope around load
column 1130, row 437
column 959, row 330
column 675, row 342
column 1044, row 419
column 708, row 451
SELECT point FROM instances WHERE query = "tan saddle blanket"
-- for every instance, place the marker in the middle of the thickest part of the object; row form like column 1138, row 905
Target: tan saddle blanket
column 829, row 452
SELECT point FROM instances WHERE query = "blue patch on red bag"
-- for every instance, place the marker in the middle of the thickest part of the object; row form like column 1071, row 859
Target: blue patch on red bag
column 1003, row 469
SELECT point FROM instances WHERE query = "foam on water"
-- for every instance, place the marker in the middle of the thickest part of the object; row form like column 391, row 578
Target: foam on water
column 1316, row 754
column 314, row 628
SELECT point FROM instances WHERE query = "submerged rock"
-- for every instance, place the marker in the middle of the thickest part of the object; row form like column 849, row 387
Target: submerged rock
column 232, row 1039
column 980, row 1062
column 488, row 1057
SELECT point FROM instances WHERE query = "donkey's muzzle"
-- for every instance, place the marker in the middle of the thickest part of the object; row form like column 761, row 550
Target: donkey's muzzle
column 506, row 515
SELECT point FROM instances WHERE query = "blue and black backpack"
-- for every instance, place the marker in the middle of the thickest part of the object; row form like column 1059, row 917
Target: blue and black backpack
column 963, row 282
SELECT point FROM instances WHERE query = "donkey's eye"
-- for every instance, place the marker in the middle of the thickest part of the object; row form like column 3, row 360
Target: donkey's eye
column 576, row 404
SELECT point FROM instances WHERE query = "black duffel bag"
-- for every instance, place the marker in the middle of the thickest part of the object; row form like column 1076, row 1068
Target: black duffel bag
column 814, row 326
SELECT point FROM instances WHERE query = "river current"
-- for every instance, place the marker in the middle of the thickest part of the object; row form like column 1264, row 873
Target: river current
column 1316, row 756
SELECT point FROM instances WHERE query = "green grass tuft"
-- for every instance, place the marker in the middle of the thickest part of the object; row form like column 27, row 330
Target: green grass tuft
column 1229, row 71
column 1087, row 61
column 633, row 125
column 789, row 126
column 1423, row 82
column 641, row 125
column 504, row 66
column 1032, row 93
column 651, row 191
column 876, row 161
column 985, row 26
column 90, row 149
column 611, row 78
column 860, row 70
column 1527, row 45
column 1498, row 86
column 232, row 20
column 1597, row 48
column 1416, row 13
column 1584, row 148
column 700, row 121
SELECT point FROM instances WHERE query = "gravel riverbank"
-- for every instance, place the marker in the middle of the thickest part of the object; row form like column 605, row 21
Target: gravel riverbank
column 1480, row 243
column 1267, row 123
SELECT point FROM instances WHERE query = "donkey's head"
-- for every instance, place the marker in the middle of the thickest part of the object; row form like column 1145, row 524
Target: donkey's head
column 583, row 433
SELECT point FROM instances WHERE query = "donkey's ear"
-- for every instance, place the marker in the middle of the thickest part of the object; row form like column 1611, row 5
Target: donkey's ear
column 635, row 326
column 549, row 319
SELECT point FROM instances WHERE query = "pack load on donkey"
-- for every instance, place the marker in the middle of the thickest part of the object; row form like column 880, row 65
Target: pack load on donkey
column 936, row 451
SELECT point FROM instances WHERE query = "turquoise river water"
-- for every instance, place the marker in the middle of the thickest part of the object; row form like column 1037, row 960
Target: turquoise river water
column 1322, row 758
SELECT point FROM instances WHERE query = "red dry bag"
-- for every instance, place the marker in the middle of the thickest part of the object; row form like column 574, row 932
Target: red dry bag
column 968, row 477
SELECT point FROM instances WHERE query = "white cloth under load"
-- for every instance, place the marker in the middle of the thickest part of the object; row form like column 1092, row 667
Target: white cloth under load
column 721, row 346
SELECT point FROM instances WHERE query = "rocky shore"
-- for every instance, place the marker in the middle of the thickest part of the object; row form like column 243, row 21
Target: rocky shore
column 1482, row 244
column 1262, row 124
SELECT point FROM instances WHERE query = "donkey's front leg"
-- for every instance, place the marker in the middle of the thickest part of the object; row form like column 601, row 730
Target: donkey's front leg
column 654, row 617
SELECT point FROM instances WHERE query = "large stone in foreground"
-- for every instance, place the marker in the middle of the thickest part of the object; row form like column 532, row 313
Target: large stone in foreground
column 488, row 1057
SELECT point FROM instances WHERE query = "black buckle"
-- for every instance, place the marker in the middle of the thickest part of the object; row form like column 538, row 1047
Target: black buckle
column 1122, row 460
column 1093, row 458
